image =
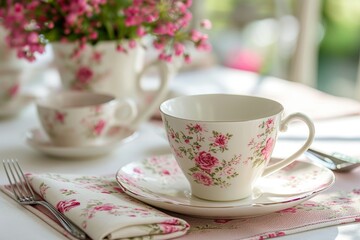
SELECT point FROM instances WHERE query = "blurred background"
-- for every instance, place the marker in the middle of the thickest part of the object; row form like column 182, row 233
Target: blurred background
column 316, row 42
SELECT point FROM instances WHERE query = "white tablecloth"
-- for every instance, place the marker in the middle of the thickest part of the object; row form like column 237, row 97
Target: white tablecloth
column 337, row 124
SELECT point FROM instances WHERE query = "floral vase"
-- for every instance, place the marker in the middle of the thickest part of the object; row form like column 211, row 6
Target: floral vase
column 101, row 68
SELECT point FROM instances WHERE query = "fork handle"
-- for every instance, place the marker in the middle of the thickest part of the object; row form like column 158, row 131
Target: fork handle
column 66, row 223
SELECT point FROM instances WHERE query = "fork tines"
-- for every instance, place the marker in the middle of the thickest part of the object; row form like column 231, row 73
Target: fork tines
column 18, row 182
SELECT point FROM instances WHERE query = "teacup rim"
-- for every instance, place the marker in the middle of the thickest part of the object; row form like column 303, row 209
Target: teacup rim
column 219, row 121
column 42, row 102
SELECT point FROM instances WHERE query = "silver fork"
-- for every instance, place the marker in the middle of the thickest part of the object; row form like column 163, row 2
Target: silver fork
column 24, row 195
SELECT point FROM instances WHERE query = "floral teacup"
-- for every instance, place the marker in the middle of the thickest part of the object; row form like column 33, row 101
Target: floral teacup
column 223, row 143
column 82, row 118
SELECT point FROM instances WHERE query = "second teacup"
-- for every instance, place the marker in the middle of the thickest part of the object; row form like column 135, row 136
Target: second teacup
column 223, row 143
column 73, row 118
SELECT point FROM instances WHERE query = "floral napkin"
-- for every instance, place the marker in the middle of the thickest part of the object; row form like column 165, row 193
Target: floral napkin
column 99, row 207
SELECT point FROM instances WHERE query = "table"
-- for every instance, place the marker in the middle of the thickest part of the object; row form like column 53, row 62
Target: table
column 336, row 121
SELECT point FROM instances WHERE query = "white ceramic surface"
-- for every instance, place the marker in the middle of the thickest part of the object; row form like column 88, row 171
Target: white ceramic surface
column 160, row 182
column 223, row 142
column 16, row 105
column 115, row 137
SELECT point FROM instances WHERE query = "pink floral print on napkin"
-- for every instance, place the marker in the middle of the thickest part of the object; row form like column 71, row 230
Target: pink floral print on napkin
column 100, row 207
column 66, row 205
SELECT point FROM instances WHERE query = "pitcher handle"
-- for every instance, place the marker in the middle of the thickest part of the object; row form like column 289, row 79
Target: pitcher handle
column 159, row 95
column 283, row 128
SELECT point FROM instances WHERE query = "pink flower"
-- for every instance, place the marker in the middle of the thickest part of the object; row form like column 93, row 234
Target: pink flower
column 187, row 58
column 84, row 75
column 140, row 31
column 179, row 49
column 206, row 161
column 66, row 205
column 195, row 35
column 14, row 89
column 202, row 178
column 60, row 117
column 269, row 123
column 105, row 207
column 120, row 48
column 198, row 128
column 83, row 21
column 137, row 170
column 99, row 127
column 165, row 172
column 172, row 221
column 169, row 228
column 228, row 171
column 33, row 38
column 266, row 151
column 221, row 140
column 132, row 43
column 206, row 24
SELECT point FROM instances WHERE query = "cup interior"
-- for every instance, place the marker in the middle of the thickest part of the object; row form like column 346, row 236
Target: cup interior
column 74, row 99
column 220, row 107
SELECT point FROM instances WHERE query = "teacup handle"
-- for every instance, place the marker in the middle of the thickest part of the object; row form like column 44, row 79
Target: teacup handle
column 159, row 95
column 125, row 112
column 283, row 128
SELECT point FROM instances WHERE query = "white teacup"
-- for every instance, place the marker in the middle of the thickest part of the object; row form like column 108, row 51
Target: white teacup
column 223, row 143
column 10, row 83
column 74, row 118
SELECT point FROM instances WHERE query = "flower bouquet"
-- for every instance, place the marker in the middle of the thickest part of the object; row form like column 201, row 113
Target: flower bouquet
column 32, row 24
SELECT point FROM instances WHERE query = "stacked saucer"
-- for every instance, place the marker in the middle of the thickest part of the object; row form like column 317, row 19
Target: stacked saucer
column 38, row 140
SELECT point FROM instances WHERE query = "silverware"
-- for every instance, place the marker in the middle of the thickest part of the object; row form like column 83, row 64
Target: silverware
column 24, row 195
column 335, row 161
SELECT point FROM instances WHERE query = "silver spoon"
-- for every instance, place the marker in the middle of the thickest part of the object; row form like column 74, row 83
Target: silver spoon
column 335, row 161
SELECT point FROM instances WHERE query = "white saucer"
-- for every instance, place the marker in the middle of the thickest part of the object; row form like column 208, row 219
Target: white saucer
column 38, row 140
column 16, row 106
column 158, row 181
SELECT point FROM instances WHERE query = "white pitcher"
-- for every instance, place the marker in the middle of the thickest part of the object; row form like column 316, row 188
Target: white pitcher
column 101, row 68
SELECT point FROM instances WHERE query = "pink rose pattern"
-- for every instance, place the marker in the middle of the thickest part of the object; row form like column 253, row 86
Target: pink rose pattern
column 93, row 126
column 263, row 145
column 85, row 70
column 159, row 165
column 66, row 205
column 208, row 168
column 90, row 208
